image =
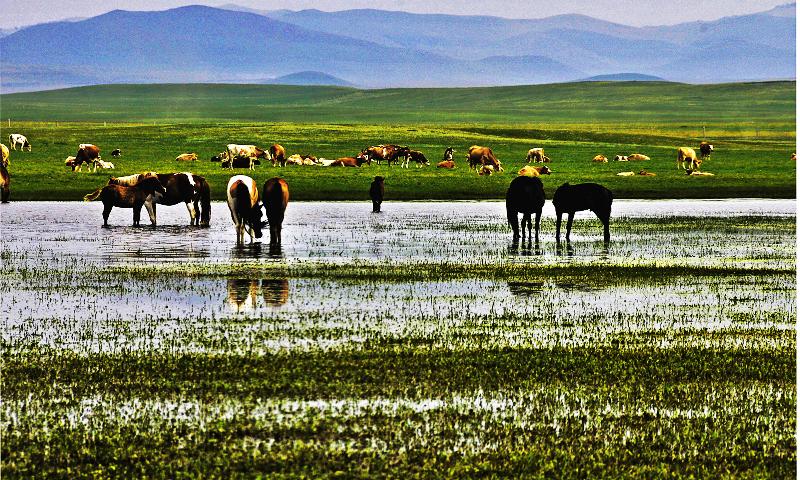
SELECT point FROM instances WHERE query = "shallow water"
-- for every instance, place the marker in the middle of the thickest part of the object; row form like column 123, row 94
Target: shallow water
column 61, row 297
column 407, row 231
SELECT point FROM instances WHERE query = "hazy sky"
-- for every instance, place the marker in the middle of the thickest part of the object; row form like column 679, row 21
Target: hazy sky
column 630, row 12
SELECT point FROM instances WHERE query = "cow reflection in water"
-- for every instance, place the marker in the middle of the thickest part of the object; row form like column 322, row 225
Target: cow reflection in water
column 243, row 293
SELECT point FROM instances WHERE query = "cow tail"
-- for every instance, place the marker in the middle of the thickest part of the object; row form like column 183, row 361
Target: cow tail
column 205, row 203
column 92, row 196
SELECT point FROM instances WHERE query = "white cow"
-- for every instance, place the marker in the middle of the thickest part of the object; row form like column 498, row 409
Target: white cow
column 15, row 138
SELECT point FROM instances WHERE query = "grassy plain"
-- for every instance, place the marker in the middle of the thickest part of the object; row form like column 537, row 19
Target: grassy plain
column 751, row 125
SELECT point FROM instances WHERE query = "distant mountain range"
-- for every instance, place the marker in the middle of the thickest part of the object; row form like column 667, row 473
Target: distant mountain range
column 375, row 48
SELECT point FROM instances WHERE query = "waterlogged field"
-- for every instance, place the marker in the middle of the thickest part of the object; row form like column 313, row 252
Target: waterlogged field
column 416, row 342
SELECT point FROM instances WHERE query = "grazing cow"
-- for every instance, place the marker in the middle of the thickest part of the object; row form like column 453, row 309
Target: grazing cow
column 449, row 164
column 278, row 154
column 600, row 159
column 705, row 150
column 482, row 156
column 250, row 151
column 620, row 158
column 87, row 154
column 245, row 207
column 637, row 157
column 186, row 157
column 188, row 188
column 116, row 153
column 376, row 191
column 374, row 154
column 417, row 157
column 448, row 154
column 537, row 154
column 127, row 197
column 687, row 160
column 275, row 199
column 5, row 182
column 584, row 196
column 531, row 171
column 525, row 195
column 70, row 162
column 5, row 154
column 16, row 139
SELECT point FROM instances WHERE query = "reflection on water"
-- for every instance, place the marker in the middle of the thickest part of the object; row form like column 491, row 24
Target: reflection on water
column 243, row 294
column 275, row 291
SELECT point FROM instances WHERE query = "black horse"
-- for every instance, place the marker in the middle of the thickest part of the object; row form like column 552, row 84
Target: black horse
column 376, row 191
column 525, row 195
column 584, row 196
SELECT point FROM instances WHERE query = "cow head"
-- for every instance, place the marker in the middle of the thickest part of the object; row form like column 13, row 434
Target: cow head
column 363, row 158
column 545, row 170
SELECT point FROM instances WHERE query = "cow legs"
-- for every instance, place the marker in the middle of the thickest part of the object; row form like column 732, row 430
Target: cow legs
column 151, row 211
column 558, row 227
column 513, row 221
column 275, row 234
column 137, row 213
column 605, row 216
column 538, row 219
column 570, row 217
column 106, row 212
column 192, row 213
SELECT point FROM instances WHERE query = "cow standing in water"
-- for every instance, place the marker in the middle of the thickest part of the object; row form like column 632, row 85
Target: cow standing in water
column 584, row 196
column 276, row 198
column 123, row 196
column 525, row 195
column 245, row 207
column 376, row 191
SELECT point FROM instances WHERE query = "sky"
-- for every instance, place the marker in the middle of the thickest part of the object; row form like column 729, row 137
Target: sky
column 630, row 12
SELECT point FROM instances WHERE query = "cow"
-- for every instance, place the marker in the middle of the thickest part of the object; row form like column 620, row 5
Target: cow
column 417, row 157
column 185, row 157
column 637, row 157
column 537, row 154
column 600, row 159
column 531, row 171
column 278, row 154
column 793, row 157
column 87, row 154
column 116, row 153
column 70, row 161
column 687, row 160
column 250, row 151
column 376, row 191
column 374, row 154
column 295, row 159
column 16, row 139
column 5, row 177
column 5, row 155
column 240, row 161
column 245, row 207
column 103, row 164
column 705, row 150
column 124, row 196
column 396, row 152
column 486, row 170
column 620, row 158
column 480, row 156
column 524, row 195
column 275, row 199
column 448, row 154
column 584, row 196
column 449, row 164
column 347, row 162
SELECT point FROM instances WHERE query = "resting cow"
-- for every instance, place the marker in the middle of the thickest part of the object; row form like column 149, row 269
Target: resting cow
column 449, row 164
column 186, row 157
column 531, row 171
column 637, row 157
column 600, row 159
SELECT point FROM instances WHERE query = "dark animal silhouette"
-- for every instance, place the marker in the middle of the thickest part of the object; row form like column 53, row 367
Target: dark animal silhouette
column 525, row 195
column 448, row 154
column 116, row 153
column 275, row 198
column 376, row 194
column 123, row 196
column 584, row 196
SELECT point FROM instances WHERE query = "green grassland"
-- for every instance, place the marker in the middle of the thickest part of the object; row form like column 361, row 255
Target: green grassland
column 751, row 125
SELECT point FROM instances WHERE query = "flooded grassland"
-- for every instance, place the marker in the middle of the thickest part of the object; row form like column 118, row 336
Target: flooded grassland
column 418, row 341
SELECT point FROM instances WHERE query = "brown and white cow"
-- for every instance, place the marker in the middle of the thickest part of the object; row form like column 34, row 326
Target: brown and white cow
column 532, row 171
column 249, row 151
column 449, row 164
column 416, row 156
column 87, row 154
column 245, row 207
column 537, row 155
column 600, row 159
column 705, row 150
column 347, row 162
column 637, row 157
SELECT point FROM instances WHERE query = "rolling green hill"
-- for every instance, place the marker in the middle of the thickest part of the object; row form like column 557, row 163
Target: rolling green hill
column 587, row 102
